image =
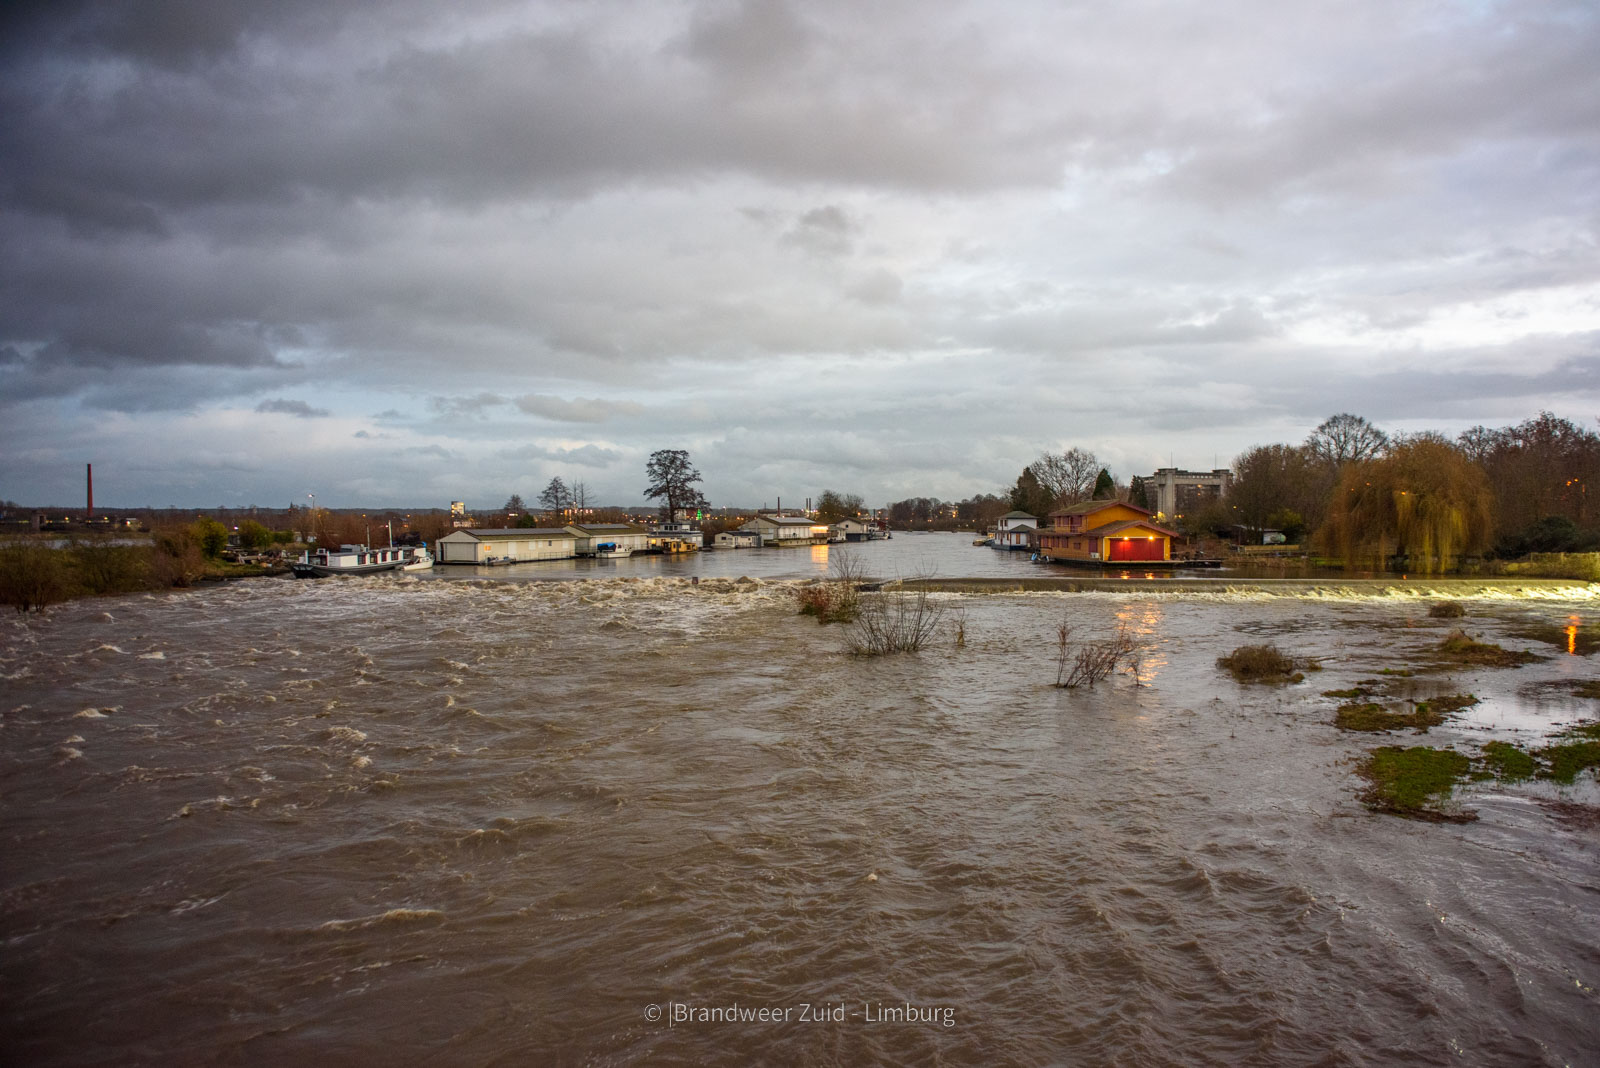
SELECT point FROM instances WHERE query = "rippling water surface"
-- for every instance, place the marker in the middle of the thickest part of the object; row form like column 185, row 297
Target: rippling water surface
column 399, row 820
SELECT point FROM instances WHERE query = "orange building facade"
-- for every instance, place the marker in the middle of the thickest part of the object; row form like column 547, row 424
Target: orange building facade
column 1108, row 532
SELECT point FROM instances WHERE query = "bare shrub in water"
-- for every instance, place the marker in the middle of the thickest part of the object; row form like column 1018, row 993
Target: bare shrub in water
column 900, row 620
column 1086, row 663
column 1446, row 610
column 33, row 577
column 836, row 599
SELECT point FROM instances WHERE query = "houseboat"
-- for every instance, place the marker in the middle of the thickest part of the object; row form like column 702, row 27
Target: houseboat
column 1015, row 532
column 676, row 538
column 1105, row 532
column 360, row 560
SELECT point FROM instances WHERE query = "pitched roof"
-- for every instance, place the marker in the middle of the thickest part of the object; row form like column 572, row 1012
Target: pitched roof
column 785, row 520
column 512, row 533
column 1019, row 515
column 1113, row 529
column 607, row 528
column 1087, row 507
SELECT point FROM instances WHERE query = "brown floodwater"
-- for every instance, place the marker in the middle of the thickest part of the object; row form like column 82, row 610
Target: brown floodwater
column 405, row 821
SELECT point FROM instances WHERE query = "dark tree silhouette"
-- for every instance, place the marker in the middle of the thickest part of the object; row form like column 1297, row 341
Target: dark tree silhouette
column 672, row 479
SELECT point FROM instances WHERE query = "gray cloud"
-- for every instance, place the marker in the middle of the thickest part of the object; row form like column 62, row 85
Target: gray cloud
column 582, row 455
column 299, row 408
column 577, row 410
column 466, row 407
column 822, row 231
column 925, row 241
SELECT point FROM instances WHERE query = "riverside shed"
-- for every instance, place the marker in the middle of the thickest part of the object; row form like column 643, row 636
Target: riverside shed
column 479, row 546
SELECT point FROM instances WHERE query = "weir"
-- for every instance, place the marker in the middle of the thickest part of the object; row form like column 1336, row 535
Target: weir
column 1369, row 587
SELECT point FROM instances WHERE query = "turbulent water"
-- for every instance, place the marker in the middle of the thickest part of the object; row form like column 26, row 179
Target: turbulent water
column 403, row 821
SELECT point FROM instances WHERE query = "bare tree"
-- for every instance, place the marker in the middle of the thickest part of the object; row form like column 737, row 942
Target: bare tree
column 1067, row 477
column 1346, row 438
column 578, row 494
column 556, row 497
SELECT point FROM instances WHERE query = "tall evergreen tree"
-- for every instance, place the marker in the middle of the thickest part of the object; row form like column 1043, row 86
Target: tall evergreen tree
column 1105, row 487
column 1137, row 495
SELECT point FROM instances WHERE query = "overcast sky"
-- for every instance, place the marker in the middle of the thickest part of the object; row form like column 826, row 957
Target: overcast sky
column 409, row 252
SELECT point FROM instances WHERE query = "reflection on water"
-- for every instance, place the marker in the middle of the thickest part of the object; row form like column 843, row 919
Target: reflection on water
column 495, row 822
column 904, row 555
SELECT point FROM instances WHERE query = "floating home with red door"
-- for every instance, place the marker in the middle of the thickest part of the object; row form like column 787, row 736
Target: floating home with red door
column 1105, row 532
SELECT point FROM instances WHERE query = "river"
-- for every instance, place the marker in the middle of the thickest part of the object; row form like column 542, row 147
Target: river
column 401, row 820
column 906, row 554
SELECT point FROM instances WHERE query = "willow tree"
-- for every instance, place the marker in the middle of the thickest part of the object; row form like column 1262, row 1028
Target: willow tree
column 1424, row 499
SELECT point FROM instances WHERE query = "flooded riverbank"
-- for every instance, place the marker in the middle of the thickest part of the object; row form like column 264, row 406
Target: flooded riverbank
column 476, row 822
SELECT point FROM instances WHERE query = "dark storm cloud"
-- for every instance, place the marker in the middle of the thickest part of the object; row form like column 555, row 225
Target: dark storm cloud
column 899, row 224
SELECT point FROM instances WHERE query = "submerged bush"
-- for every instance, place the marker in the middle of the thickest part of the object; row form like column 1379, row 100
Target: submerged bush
column 836, row 599
column 178, row 559
column 106, row 568
column 894, row 621
column 33, row 577
column 1262, row 663
column 1086, row 663
column 1446, row 610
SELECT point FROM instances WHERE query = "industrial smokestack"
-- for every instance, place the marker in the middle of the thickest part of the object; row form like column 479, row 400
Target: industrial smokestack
column 90, row 474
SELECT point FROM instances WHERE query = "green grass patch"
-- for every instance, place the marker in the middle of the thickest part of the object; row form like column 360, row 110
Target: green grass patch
column 1369, row 716
column 1413, row 782
column 1355, row 693
column 1590, row 689
column 1567, row 759
column 1402, row 673
column 1460, row 648
column 1509, row 763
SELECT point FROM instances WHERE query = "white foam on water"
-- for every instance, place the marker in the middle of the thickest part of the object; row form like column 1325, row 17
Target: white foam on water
column 157, row 655
column 393, row 916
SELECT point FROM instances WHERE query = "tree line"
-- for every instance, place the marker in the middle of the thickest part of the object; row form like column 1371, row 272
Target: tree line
column 1423, row 499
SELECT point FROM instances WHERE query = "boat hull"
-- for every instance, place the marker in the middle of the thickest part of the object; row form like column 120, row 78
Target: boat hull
column 323, row 571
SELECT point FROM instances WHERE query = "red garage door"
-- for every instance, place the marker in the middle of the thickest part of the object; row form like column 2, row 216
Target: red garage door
column 1136, row 549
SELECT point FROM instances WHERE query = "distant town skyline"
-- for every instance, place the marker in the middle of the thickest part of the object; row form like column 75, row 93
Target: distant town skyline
column 413, row 252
